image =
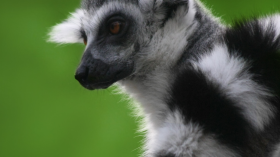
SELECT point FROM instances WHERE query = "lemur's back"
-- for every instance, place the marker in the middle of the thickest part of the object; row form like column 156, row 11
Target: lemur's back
column 207, row 90
column 258, row 42
column 233, row 90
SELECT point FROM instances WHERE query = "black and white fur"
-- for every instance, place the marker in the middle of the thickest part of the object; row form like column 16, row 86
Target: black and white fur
column 206, row 89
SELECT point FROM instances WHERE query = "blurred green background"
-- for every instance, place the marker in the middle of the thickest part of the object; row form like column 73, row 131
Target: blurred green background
column 44, row 112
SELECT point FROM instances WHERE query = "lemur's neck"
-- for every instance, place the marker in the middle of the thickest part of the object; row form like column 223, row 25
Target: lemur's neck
column 151, row 93
column 173, row 44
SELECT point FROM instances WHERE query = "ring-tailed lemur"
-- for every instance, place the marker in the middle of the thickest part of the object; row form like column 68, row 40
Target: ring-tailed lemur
column 206, row 89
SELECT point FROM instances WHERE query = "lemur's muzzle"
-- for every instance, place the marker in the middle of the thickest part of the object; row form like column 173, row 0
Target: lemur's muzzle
column 95, row 74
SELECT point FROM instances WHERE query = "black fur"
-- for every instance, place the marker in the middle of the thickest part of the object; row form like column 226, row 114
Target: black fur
column 202, row 102
column 124, row 38
column 83, row 34
column 251, row 40
column 203, row 39
column 164, row 154
column 260, row 47
column 199, row 100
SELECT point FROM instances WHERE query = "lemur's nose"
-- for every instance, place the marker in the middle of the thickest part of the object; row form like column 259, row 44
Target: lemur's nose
column 96, row 74
column 93, row 73
column 82, row 74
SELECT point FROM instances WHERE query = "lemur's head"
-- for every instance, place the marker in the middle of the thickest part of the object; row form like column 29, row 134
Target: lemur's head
column 118, row 34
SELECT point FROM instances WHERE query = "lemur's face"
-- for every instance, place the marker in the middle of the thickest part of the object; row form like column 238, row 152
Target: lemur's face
column 111, row 35
column 123, row 38
column 110, row 47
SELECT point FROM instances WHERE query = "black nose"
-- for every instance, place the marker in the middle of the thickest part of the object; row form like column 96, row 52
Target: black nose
column 94, row 74
column 97, row 74
column 82, row 74
column 92, row 71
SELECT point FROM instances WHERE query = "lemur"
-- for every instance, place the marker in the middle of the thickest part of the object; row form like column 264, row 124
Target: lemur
column 206, row 89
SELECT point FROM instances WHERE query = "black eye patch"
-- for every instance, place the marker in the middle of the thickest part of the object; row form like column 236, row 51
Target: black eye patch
column 83, row 34
column 115, row 29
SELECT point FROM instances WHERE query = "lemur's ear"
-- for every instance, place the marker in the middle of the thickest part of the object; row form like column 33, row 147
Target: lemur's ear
column 68, row 31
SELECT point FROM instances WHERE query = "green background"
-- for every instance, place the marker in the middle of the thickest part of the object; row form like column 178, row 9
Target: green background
column 44, row 112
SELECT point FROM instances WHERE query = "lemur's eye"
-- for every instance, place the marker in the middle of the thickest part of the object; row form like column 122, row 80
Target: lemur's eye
column 84, row 36
column 116, row 27
column 85, row 41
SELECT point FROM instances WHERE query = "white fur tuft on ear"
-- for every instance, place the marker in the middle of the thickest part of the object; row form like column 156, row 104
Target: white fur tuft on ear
column 273, row 20
column 68, row 31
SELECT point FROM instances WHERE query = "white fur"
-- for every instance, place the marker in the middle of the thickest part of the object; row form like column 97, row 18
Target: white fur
column 186, row 140
column 275, row 21
column 176, row 33
column 69, row 30
column 151, row 94
column 276, row 153
column 167, row 131
column 226, row 70
column 146, row 5
column 167, row 44
column 152, row 91
column 95, row 16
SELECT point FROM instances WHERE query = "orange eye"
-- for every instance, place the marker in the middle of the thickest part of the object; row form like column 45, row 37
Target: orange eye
column 115, row 27
column 85, row 41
